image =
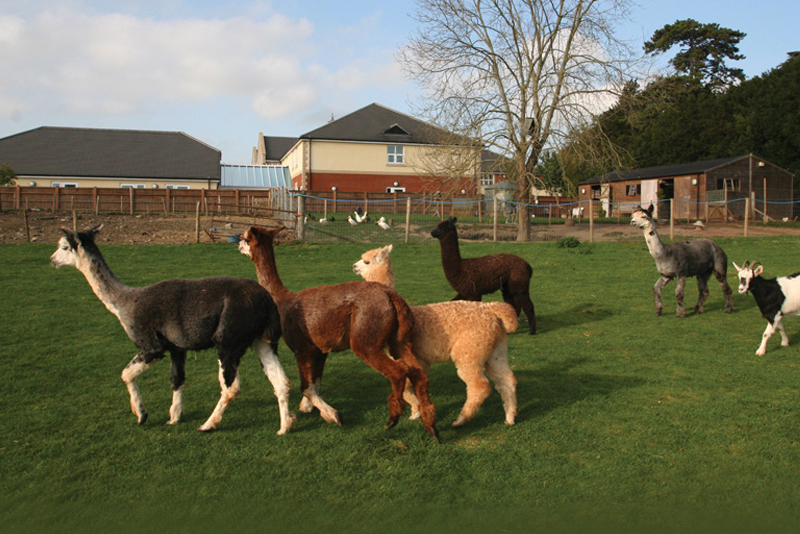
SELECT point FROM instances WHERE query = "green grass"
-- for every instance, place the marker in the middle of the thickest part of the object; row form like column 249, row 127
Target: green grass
column 627, row 421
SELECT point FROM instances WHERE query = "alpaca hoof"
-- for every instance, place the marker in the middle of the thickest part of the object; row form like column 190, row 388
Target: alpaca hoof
column 391, row 422
column 658, row 313
column 339, row 420
column 459, row 422
column 433, row 431
column 142, row 418
column 205, row 428
column 414, row 416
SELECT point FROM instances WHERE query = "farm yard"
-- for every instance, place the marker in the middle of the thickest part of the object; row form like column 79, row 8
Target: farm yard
column 626, row 422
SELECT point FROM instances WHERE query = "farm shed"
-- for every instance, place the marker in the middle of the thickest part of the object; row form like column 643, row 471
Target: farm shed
column 90, row 157
column 718, row 183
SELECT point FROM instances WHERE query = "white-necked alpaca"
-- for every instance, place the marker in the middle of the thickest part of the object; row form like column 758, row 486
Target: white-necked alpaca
column 474, row 277
column 365, row 317
column 699, row 258
column 473, row 335
column 177, row 316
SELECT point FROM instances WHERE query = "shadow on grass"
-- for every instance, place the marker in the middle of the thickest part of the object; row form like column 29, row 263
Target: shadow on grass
column 559, row 384
column 585, row 312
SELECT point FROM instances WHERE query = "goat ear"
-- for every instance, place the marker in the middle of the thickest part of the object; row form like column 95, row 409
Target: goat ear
column 758, row 270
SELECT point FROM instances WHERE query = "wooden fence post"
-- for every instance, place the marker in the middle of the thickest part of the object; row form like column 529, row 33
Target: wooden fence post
column 494, row 224
column 131, row 198
column 591, row 220
column 197, row 223
column 746, row 214
column 672, row 219
column 408, row 218
column 300, row 224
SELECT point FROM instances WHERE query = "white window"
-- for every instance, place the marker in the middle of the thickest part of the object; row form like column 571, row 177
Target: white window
column 631, row 190
column 394, row 154
column 64, row 184
column 487, row 179
column 131, row 186
column 395, row 189
column 177, row 186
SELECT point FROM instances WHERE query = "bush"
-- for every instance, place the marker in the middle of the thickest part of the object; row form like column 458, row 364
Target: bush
column 568, row 242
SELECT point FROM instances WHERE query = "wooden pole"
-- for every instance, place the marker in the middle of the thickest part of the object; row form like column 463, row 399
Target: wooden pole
column 494, row 225
column 408, row 218
column 672, row 219
column 197, row 223
column 746, row 214
column 591, row 221
column 74, row 221
column 301, row 218
column 766, row 218
column 130, row 191
column 27, row 227
column 97, row 206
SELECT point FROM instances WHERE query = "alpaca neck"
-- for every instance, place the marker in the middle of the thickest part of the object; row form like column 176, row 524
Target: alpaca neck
column 383, row 275
column 654, row 243
column 263, row 257
column 104, row 283
column 451, row 256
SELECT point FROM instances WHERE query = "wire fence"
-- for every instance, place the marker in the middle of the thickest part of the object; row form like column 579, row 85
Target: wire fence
column 411, row 219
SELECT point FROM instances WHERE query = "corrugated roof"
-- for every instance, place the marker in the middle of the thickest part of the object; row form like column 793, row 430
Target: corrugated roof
column 647, row 173
column 100, row 153
column 255, row 176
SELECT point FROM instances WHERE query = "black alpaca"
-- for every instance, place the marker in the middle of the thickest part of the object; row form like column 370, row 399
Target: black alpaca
column 474, row 277
column 177, row 316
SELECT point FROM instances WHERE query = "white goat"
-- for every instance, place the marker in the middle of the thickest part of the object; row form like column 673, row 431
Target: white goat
column 776, row 298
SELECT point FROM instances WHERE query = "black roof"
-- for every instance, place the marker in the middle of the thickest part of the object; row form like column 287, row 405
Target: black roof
column 662, row 171
column 379, row 124
column 277, row 147
column 101, row 153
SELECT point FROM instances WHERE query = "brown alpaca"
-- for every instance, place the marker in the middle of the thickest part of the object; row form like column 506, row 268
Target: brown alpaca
column 473, row 335
column 365, row 317
column 475, row 277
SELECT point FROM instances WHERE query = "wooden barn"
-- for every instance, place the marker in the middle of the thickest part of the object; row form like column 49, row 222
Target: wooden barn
column 713, row 189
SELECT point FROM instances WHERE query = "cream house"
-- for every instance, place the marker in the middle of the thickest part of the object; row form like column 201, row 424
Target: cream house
column 375, row 149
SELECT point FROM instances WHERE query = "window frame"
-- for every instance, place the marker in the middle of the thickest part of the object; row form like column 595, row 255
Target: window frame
column 395, row 155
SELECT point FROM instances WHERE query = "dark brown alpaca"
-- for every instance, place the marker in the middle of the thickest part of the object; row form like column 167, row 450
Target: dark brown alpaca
column 474, row 277
column 365, row 317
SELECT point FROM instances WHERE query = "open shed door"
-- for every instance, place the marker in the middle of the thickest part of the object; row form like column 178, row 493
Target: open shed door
column 650, row 195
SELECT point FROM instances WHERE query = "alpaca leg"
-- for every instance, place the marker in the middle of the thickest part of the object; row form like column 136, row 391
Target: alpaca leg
column 478, row 389
column 267, row 353
column 305, row 365
column 762, row 349
column 526, row 304
column 136, row 367
column 505, row 382
column 679, row 292
column 229, row 384
column 395, row 370
column 317, row 369
column 702, row 290
column 664, row 280
column 410, row 397
column 177, row 379
column 726, row 290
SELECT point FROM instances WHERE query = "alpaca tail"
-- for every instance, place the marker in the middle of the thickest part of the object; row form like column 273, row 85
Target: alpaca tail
column 506, row 314
column 405, row 319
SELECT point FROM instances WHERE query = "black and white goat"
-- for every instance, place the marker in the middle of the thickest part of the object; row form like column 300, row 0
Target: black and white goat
column 776, row 298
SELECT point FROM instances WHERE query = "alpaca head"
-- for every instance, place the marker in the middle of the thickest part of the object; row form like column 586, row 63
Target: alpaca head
column 444, row 228
column 72, row 247
column 374, row 263
column 642, row 217
column 257, row 235
column 746, row 273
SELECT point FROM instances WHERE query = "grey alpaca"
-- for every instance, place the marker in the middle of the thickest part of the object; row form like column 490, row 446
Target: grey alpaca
column 177, row 316
column 700, row 258
column 474, row 277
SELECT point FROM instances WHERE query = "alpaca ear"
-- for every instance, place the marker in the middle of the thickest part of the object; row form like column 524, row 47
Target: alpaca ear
column 384, row 253
column 72, row 237
column 649, row 209
column 94, row 231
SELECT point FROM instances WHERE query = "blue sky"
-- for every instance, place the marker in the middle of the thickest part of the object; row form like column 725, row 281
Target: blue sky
column 223, row 71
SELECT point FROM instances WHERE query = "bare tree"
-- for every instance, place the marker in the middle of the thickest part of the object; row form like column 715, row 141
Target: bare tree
column 518, row 75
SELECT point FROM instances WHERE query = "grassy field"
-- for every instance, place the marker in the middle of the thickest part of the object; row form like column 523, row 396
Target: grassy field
column 627, row 421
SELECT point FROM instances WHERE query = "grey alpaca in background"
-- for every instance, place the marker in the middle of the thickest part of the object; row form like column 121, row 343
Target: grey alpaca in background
column 699, row 258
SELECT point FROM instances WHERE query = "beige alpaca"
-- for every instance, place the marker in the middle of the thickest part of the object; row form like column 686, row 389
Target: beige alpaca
column 473, row 335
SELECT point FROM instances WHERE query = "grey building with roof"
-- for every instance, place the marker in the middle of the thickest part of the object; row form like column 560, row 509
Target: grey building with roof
column 88, row 157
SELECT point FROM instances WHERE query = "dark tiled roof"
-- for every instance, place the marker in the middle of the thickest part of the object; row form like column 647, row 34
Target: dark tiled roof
column 277, row 147
column 99, row 153
column 378, row 124
column 647, row 173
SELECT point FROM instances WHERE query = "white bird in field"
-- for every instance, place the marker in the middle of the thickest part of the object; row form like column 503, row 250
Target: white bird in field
column 360, row 218
column 383, row 224
column 352, row 221
column 324, row 220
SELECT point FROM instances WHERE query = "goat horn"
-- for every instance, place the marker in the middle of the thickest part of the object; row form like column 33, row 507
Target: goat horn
column 753, row 265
